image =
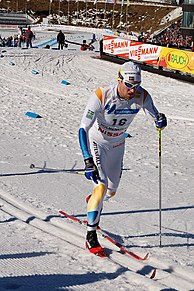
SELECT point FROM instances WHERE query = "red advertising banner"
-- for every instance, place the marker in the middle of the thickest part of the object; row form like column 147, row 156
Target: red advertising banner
column 170, row 58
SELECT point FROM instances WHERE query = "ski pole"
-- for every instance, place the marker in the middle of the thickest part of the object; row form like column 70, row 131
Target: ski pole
column 160, row 184
column 55, row 170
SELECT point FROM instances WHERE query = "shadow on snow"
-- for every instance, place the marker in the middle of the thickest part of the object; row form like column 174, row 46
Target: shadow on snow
column 56, row 281
column 23, row 255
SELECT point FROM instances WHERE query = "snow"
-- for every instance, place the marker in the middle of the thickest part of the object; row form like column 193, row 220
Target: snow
column 40, row 250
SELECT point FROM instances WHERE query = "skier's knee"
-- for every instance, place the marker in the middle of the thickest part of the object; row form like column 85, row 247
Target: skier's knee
column 109, row 194
column 99, row 192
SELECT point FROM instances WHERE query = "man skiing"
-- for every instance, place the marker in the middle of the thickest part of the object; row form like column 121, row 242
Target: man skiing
column 107, row 116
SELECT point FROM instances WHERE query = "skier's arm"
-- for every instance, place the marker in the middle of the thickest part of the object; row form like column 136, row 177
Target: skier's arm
column 88, row 119
column 150, row 109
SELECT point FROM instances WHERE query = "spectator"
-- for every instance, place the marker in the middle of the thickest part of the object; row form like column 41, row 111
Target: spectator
column 28, row 36
column 86, row 46
column 9, row 41
column 101, row 47
column 60, row 39
column 172, row 37
column 2, row 42
column 192, row 46
column 20, row 36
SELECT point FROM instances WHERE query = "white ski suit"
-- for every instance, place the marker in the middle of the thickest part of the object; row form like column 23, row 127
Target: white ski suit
column 102, row 136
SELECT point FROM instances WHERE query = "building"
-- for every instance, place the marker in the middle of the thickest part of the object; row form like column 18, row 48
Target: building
column 19, row 19
column 188, row 18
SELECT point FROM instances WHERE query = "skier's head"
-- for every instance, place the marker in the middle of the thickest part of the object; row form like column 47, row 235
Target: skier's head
column 129, row 80
column 130, row 73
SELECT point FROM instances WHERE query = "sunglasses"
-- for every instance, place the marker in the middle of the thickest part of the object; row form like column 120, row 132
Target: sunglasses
column 132, row 86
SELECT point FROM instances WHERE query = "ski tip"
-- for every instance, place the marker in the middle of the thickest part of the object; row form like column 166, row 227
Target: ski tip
column 146, row 257
column 62, row 213
column 153, row 275
column 32, row 166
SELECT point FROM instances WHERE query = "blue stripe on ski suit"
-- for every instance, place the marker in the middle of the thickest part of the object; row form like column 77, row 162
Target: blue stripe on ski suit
column 92, row 215
column 84, row 144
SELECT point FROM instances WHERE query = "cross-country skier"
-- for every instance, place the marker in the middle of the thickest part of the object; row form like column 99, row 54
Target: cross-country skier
column 107, row 116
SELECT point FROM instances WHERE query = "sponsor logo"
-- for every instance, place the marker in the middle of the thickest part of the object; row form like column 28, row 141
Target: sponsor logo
column 95, row 147
column 120, row 111
column 126, row 111
column 177, row 60
column 111, row 134
column 143, row 51
column 111, row 128
column 110, row 109
column 90, row 114
column 115, row 45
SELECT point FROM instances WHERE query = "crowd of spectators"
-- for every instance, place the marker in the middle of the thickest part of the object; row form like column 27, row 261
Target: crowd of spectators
column 170, row 37
column 11, row 41
column 22, row 38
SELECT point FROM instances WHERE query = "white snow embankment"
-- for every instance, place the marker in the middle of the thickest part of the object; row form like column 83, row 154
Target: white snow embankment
column 167, row 275
column 75, row 235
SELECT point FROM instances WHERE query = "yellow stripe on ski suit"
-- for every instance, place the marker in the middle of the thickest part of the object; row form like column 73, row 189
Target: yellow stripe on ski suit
column 98, row 93
column 96, row 198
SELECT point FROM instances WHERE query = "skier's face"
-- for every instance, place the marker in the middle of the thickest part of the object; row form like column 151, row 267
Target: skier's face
column 127, row 90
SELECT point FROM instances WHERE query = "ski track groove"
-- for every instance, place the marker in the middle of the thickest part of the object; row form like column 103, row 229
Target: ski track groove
column 18, row 82
column 28, row 86
column 132, row 276
column 166, row 276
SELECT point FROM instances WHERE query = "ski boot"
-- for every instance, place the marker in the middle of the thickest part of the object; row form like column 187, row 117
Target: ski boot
column 93, row 245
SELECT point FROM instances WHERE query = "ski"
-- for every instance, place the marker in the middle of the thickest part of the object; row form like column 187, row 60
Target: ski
column 100, row 253
column 55, row 170
column 104, row 235
column 45, row 169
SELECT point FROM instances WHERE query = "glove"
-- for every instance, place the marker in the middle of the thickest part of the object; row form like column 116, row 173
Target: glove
column 91, row 171
column 161, row 121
